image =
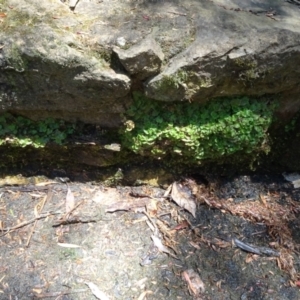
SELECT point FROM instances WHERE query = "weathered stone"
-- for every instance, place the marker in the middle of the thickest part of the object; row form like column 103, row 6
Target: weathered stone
column 240, row 49
column 47, row 71
column 59, row 63
column 143, row 59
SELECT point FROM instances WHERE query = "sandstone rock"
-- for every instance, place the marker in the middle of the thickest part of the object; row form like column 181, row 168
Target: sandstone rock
column 241, row 48
column 143, row 59
column 47, row 71
column 55, row 62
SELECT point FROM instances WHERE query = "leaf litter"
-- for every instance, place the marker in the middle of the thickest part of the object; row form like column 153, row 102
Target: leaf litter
column 129, row 241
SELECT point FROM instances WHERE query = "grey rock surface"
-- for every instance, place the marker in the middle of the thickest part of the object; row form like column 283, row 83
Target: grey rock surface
column 240, row 48
column 143, row 59
column 58, row 62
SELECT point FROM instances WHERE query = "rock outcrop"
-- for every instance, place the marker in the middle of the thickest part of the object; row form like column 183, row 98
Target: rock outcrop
column 83, row 61
column 58, row 62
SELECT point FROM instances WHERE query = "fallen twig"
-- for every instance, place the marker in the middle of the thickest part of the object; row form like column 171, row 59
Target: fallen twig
column 152, row 222
column 74, row 221
column 58, row 294
column 176, row 13
column 25, row 223
column 67, row 215
column 46, row 198
column 255, row 249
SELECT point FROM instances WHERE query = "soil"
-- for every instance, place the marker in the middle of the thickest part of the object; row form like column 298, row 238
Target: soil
column 106, row 239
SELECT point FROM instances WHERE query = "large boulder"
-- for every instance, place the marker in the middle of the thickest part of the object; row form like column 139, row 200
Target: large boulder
column 47, row 71
column 240, row 48
column 58, row 62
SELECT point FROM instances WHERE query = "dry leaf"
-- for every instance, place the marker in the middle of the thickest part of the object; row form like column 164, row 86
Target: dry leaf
column 70, row 201
column 158, row 243
column 184, row 224
column 194, row 281
column 144, row 294
column 219, row 284
column 2, row 15
column 96, row 292
column 141, row 282
column 183, row 199
column 262, row 198
column 152, row 207
column 168, row 191
column 195, row 245
column 249, row 258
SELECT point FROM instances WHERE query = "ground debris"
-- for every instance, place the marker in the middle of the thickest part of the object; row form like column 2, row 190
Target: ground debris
column 57, row 295
column 255, row 249
column 182, row 197
column 195, row 284
column 117, row 250
column 275, row 215
column 158, row 243
column 96, row 291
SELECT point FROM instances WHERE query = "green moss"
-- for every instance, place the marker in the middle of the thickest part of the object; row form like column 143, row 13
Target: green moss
column 192, row 133
column 174, row 80
column 248, row 68
column 22, row 132
column 15, row 60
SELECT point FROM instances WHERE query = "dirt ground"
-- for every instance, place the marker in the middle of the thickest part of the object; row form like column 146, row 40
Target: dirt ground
column 84, row 240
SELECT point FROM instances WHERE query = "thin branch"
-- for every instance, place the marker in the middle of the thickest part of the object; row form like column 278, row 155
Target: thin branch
column 176, row 13
column 46, row 199
column 25, row 223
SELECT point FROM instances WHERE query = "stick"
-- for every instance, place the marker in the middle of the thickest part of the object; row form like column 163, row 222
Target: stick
column 25, row 223
column 46, row 198
column 256, row 250
column 57, row 294
column 176, row 13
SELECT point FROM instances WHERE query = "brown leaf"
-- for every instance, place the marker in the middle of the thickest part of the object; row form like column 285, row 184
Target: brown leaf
column 262, row 198
column 152, row 207
column 158, row 243
column 194, row 281
column 184, row 224
column 183, row 199
column 144, row 294
column 168, row 190
column 2, row 15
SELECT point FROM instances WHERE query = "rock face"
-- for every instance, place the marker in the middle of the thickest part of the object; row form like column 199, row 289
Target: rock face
column 46, row 71
column 83, row 61
column 238, row 50
column 142, row 60
column 58, row 63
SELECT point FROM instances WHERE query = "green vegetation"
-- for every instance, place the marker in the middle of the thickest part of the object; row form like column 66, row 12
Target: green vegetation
column 174, row 80
column 192, row 133
column 19, row 131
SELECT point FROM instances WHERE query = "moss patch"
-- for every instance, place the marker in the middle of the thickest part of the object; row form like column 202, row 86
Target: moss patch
column 193, row 133
column 22, row 132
